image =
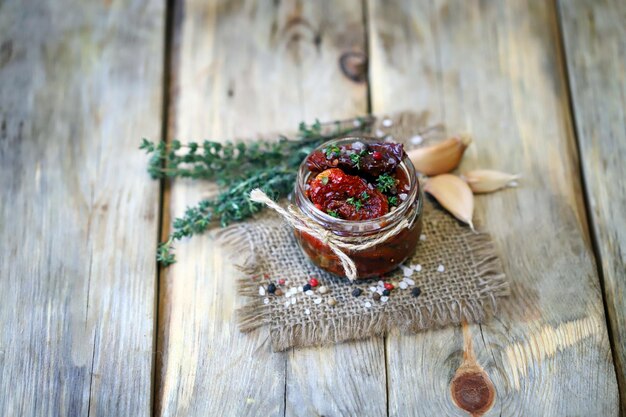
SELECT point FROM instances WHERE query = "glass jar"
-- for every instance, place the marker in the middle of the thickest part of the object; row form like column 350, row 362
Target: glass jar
column 378, row 259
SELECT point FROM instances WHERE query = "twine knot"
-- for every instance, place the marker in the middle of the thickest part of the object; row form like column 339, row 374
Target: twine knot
column 337, row 244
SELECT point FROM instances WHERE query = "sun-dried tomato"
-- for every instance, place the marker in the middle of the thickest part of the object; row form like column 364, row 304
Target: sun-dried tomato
column 346, row 196
column 369, row 160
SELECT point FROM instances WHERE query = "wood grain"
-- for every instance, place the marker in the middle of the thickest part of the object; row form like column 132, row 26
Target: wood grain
column 242, row 68
column 80, row 84
column 493, row 68
column 594, row 36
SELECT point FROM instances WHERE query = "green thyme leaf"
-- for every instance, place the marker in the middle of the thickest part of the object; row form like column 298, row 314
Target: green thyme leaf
column 324, row 180
column 365, row 195
column 393, row 200
column 332, row 151
column 385, row 182
column 333, row 213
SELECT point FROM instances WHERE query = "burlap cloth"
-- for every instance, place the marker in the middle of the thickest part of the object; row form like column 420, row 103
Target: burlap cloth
column 460, row 276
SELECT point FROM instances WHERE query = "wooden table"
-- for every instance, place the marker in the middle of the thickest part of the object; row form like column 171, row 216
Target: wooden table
column 90, row 326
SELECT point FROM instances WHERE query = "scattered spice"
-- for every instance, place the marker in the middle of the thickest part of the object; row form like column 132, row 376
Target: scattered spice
column 356, row 292
column 306, row 287
column 332, row 302
column 415, row 292
column 376, row 296
column 386, row 293
column 278, row 292
column 440, row 268
column 388, row 286
column 271, row 288
column 261, row 290
column 322, row 289
column 314, row 282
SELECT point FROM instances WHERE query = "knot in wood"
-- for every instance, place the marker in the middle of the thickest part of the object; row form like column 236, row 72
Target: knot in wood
column 354, row 66
column 473, row 392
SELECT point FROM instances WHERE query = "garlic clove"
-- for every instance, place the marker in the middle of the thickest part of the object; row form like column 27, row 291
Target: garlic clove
column 441, row 157
column 487, row 180
column 454, row 195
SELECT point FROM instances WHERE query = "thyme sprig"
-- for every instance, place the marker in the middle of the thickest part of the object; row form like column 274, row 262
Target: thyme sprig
column 237, row 168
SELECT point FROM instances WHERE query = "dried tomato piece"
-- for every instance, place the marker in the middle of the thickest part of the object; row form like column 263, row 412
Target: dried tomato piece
column 346, row 196
column 369, row 160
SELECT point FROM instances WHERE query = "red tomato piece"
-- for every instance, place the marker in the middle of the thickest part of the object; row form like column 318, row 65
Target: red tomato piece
column 347, row 196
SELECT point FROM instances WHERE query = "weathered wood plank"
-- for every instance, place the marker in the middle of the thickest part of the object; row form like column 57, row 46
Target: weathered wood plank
column 80, row 84
column 244, row 68
column 493, row 68
column 594, row 36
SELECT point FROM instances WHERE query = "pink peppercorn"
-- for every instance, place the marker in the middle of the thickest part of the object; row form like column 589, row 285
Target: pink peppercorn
column 314, row 282
column 281, row 281
column 377, row 155
column 388, row 286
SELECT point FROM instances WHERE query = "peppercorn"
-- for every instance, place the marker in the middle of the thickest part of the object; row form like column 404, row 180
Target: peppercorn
column 356, row 292
column 415, row 292
column 271, row 288
column 377, row 156
column 278, row 292
column 386, row 293
column 314, row 282
column 376, row 296
column 281, row 281
column 388, row 286
column 306, row 287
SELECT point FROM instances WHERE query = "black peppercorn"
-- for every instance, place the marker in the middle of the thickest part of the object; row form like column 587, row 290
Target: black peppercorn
column 415, row 292
column 306, row 287
column 376, row 296
column 271, row 288
column 386, row 293
column 356, row 292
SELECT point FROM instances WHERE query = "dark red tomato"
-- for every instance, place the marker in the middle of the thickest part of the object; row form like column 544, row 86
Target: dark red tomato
column 346, row 196
column 369, row 160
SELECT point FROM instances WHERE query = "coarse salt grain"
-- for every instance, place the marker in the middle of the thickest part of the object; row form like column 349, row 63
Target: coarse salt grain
column 358, row 145
column 373, row 289
column 387, row 122
column 307, row 311
column 417, row 267
column 381, row 284
column 380, row 290
column 368, row 304
column 384, row 298
column 403, row 285
column 309, row 292
column 287, row 303
column 379, row 133
column 266, row 301
column 403, row 196
column 440, row 268
column 409, row 281
column 407, row 271
column 300, row 289
column 417, row 139
column 293, row 300
column 356, row 123
column 261, row 290
column 422, row 237
column 317, row 300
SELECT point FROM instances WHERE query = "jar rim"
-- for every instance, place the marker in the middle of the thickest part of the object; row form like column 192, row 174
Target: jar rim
column 376, row 224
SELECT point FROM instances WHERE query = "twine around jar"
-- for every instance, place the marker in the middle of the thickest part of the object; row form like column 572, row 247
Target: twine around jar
column 336, row 243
